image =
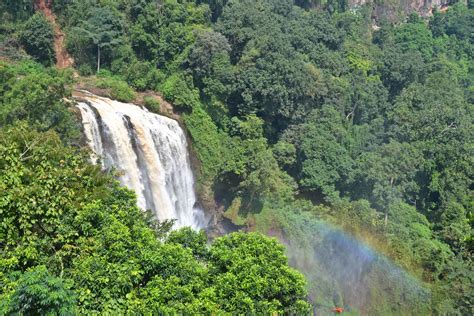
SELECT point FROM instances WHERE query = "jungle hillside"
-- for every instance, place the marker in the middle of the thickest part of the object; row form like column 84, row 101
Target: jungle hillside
column 331, row 142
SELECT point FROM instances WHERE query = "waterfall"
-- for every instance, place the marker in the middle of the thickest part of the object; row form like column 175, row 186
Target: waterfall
column 150, row 152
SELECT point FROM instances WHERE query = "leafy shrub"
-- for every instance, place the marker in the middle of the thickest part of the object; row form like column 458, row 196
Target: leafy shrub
column 119, row 90
column 29, row 93
column 179, row 89
column 188, row 238
column 207, row 141
column 152, row 103
column 39, row 292
column 38, row 39
column 284, row 153
column 143, row 75
column 86, row 70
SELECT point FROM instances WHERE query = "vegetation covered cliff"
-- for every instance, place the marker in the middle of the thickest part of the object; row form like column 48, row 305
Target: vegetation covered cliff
column 310, row 124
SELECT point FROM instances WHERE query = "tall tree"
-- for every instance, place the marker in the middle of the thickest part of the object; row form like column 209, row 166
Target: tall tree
column 103, row 29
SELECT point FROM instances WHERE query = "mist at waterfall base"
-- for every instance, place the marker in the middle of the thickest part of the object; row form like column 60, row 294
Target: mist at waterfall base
column 149, row 151
column 343, row 272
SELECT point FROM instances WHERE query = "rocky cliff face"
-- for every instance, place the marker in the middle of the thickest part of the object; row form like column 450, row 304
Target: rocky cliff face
column 394, row 10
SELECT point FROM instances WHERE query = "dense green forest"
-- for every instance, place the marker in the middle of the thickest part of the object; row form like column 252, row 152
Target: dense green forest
column 298, row 114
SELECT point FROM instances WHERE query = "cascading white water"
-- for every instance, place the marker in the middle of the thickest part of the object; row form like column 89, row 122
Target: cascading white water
column 149, row 150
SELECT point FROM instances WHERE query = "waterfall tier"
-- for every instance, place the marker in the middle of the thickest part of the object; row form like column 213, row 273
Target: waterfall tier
column 150, row 152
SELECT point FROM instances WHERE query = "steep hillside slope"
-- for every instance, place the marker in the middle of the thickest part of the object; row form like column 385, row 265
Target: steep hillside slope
column 63, row 59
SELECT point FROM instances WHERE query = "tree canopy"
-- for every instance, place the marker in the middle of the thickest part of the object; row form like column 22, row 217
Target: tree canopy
column 298, row 111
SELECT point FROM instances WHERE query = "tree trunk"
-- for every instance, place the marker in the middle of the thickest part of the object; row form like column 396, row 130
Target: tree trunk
column 98, row 58
column 386, row 210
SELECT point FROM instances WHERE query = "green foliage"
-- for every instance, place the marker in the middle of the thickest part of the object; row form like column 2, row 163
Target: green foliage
column 439, row 101
column 457, row 21
column 38, row 292
column 411, row 231
column 459, row 276
column 216, row 7
column 142, row 76
column 190, row 239
column 17, row 9
column 357, row 57
column 251, row 276
column 348, row 118
column 414, row 36
column 207, row 141
column 285, row 153
column 325, row 159
column 179, row 89
column 163, row 33
column 279, row 100
column 102, row 29
column 152, row 104
column 251, row 171
column 38, row 96
column 454, row 224
column 389, row 173
column 400, row 70
column 210, row 62
column 37, row 37
column 208, row 46
column 118, row 89
column 106, row 255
